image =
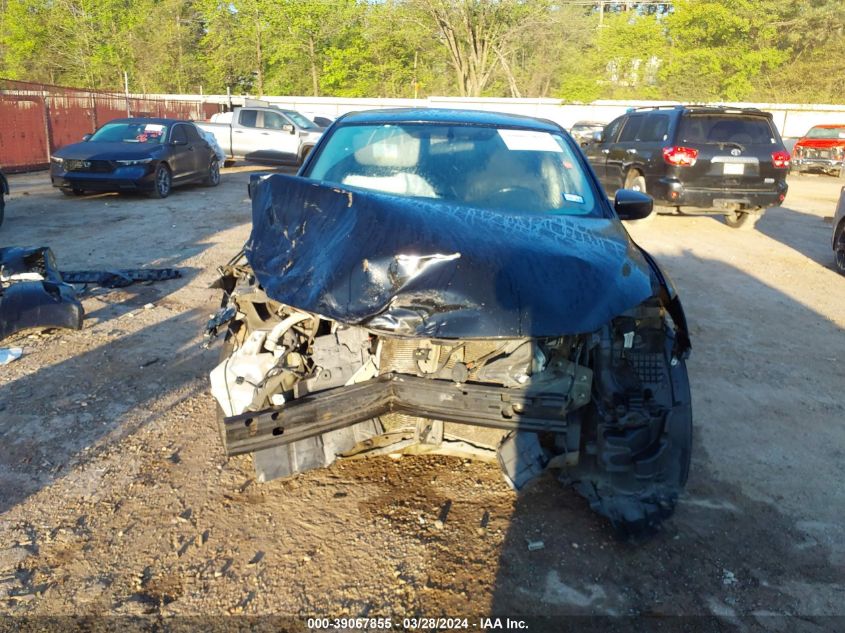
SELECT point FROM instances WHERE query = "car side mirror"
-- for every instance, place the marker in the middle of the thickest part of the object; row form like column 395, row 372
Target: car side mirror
column 287, row 127
column 87, row 137
column 632, row 205
column 598, row 137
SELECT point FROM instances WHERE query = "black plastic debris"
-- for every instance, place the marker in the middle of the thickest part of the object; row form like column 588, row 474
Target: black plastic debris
column 34, row 294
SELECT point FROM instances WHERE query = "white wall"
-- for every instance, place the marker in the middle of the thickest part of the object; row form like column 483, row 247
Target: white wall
column 792, row 120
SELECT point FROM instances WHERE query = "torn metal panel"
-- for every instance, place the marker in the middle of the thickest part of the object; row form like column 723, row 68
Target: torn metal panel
column 427, row 268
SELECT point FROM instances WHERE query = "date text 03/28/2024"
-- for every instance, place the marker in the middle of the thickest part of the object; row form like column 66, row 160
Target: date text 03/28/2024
column 411, row 624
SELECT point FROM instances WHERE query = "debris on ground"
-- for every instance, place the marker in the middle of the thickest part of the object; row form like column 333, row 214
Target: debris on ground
column 34, row 294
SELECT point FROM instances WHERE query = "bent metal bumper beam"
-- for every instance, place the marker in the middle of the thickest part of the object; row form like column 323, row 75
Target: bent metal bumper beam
column 540, row 406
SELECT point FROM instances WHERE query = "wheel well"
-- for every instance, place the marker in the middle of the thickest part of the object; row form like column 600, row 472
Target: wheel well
column 632, row 171
column 303, row 153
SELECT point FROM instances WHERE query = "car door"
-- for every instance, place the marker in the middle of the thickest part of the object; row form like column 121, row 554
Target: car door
column 651, row 138
column 182, row 155
column 245, row 136
column 597, row 152
column 202, row 152
column 622, row 153
column 280, row 139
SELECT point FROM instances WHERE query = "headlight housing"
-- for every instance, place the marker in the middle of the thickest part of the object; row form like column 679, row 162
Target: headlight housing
column 57, row 160
column 136, row 161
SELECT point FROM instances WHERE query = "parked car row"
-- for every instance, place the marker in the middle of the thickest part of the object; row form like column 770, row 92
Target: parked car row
column 154, row 155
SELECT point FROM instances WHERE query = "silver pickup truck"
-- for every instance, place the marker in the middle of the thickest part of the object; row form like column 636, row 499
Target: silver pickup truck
column 263, row 134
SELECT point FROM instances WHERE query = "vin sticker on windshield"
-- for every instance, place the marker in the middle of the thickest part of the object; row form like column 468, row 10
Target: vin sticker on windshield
column 572, row 197
column 528, row 140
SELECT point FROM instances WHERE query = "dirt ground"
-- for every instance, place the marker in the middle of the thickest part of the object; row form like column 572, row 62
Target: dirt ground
column 115, row 496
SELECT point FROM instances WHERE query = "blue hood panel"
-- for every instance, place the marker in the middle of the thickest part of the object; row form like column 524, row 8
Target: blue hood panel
column 424, row 268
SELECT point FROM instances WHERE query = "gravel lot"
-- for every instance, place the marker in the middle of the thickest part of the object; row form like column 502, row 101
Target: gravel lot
column 115, row 496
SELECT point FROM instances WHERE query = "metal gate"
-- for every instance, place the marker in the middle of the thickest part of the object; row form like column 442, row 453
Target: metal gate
column 23, row 132
column 36, row 119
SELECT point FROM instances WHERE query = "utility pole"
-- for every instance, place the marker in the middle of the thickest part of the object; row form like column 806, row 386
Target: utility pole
column 126, row 92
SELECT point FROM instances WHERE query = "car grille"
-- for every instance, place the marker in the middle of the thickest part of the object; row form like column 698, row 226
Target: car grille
column 814, row 152
column 95, row 166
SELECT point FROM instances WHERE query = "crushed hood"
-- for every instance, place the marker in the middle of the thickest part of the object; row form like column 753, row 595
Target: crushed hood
column 427, row 268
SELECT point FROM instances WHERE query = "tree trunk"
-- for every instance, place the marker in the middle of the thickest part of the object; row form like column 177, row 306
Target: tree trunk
column 259, row 58
column 312, row 58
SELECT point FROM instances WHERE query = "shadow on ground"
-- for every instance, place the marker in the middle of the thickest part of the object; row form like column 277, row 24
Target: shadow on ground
column 735, row 548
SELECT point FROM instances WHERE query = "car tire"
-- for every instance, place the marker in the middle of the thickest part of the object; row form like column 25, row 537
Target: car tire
column 636, row 182
column 303, row 154
column 212, row 178
column 839, row 252
column 162, row 182
column 742, row 220
column 2, row 206
column 228, row 162
column 76, row 191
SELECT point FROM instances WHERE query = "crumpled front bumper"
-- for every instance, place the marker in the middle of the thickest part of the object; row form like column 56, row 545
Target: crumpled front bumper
column 540, row 406
column 829, row 165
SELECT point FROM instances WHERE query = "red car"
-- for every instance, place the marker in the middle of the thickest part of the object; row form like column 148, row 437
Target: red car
column 821, row 149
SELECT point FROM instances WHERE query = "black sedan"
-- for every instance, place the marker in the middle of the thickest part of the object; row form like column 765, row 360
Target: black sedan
column 137, row 154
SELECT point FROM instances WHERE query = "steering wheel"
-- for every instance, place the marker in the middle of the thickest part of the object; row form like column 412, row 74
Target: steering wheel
column 517, row 197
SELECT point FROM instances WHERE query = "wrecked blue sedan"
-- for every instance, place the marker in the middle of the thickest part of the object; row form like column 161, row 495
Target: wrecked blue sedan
column 438, row 281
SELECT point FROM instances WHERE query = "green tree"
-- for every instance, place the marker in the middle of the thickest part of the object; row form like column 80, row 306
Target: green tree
column 720, row 49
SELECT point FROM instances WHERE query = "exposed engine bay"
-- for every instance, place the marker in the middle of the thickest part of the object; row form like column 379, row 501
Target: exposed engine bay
column 300, row 391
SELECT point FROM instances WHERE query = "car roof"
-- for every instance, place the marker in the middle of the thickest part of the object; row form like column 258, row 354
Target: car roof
column 447, row 116
column 830, row 126
column 158, row 120
column 699, row 109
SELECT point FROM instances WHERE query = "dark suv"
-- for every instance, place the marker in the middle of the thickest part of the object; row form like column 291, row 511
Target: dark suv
column 729, row 161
